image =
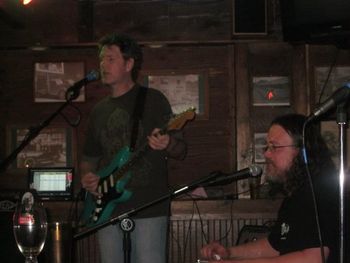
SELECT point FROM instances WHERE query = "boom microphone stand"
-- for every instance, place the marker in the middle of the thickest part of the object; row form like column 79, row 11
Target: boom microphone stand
column 127, row 225
column 339, row 98
column 203, row 181
column 214, row 178
column 124, row 219
column 71, row 94
column 341, row 121
column 31, row 135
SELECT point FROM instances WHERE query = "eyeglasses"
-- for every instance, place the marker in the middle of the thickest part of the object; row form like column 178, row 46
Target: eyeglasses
column 273, row 148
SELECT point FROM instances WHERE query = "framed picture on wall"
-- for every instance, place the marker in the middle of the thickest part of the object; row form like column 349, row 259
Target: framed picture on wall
column 259, row 147
column 327, row 81
column 52, row 79
column 183, row 90
column 330, row 133
column 51, row 148
column 271, row 91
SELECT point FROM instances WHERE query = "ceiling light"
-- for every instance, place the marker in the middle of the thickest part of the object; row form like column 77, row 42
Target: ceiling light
column 26, row 2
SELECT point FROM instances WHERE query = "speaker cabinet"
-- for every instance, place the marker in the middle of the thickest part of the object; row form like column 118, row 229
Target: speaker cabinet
column 249, row 17
column 8, row 247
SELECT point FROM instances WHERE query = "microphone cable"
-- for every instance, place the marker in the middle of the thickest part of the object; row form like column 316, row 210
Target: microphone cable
column 317, row 219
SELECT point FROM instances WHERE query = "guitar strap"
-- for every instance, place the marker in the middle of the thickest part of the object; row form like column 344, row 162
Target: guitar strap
column 137, row 115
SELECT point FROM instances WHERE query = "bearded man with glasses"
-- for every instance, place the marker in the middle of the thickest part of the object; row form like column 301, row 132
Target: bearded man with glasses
column 307, row 228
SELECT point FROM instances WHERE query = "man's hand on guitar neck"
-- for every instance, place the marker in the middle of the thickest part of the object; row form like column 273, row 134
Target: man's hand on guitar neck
column 158, row 141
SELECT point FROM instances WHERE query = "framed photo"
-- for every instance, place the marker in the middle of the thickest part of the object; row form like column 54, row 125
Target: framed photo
column 259, row 147
column 51, row 148
column 330, row 133
column 336, row 79
column 183, row 90
column 52, row 79
column 271, row 91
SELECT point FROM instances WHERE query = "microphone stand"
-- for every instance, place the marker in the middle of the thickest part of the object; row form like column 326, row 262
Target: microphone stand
column 341, row 121
column 184, row 189
column 34, row 132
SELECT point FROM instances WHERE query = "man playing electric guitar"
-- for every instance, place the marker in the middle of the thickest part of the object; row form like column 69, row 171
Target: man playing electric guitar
column 132, row 117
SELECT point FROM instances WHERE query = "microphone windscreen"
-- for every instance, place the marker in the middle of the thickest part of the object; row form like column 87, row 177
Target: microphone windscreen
column 255, row 170
column 93, row 75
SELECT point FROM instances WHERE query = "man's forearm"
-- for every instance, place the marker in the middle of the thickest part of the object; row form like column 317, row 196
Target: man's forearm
column 260, row 248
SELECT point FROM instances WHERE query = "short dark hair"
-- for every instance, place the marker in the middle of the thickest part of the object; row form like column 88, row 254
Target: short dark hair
column 128, row 47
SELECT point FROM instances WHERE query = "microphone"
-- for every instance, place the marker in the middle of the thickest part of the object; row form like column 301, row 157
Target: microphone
column 227, row 178
column 73, row 91
column 338, row 97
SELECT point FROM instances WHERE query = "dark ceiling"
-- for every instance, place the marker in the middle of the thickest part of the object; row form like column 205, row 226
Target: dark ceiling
column 82, row 22
column 64, row 22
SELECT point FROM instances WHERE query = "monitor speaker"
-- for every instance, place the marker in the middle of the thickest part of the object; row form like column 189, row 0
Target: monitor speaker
column 249, row 17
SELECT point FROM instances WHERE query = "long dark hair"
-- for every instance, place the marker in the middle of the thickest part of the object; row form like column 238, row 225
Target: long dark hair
column 318, row 155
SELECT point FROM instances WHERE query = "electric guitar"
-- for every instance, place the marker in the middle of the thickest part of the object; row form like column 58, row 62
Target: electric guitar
column 114, row 177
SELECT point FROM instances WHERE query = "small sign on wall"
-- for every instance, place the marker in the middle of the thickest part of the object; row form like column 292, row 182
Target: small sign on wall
column 271, row 91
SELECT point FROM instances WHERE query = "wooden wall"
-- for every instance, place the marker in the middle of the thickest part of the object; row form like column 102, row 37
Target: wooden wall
column 63, row 22
column 193, row 37
column 209, row 138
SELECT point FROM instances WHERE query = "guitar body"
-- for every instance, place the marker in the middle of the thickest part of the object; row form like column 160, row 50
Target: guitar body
column 98, row 210
column 115, row 177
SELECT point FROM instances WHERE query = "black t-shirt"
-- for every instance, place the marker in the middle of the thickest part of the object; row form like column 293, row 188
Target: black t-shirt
column 296, row 227
column 109, row 133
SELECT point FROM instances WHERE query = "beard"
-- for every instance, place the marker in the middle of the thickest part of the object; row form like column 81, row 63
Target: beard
column 275, row 180
column 286, row 181
column 275, row 175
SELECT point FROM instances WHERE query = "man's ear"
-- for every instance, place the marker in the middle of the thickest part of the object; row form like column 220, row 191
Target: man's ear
column 130, row 64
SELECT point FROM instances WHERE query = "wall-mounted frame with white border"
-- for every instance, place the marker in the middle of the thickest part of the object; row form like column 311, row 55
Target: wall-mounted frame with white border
column 259, row 147
column 271, row 91
column 51, row 148
column 183, row 89
column 52, row 79
column 336, row 80
column 330, row 133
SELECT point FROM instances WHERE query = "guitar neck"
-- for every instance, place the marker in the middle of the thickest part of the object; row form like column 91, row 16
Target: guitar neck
column 131, row 162
column 175, row 123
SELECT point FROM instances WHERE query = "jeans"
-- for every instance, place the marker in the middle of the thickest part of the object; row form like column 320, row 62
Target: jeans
column 148, row 241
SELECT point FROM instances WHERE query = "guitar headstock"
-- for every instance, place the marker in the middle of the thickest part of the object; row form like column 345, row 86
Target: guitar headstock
column 179, row 120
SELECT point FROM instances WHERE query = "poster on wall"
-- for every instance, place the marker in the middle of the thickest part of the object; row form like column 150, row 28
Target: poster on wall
column 330, row 133
column 183, row 90
column 51, row 148
column 327, row 81
column 52, row 79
